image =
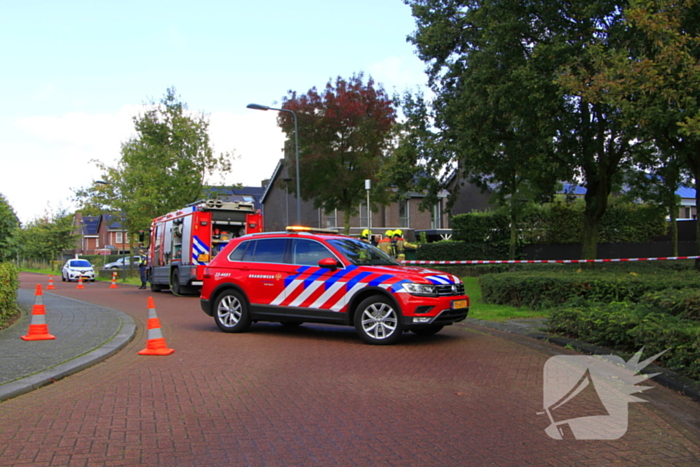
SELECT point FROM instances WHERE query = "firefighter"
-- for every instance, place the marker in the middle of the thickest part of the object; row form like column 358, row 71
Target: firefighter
column 143, row 262
column 385, row 243
column 401, row 245
column 364, row 236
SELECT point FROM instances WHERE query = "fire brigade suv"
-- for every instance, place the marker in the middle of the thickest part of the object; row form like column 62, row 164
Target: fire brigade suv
column 305, row 276
column 183, row 242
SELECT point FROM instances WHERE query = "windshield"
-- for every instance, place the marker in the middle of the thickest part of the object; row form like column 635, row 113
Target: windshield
column 79, row 263
column 359, row 252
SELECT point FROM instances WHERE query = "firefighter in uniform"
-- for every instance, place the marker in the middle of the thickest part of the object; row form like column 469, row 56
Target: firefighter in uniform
column 402, row 245
column 385, row 243
column 143, row 262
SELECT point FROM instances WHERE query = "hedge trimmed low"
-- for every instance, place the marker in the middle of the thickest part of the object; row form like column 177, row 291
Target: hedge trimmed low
column 9, row 283
column 630, row 326
column 539, row 290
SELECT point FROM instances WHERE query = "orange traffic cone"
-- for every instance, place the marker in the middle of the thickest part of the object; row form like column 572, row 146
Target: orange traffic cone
column 80, row 283
column 38, row 329
column 114, row 281
column 156, row 342
column 50, row 286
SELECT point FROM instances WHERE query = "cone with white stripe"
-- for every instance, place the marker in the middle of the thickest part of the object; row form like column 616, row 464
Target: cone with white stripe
column 50, row 286
column 80, row 283
column 114, row 281
column 38, row 329
column 156, row 342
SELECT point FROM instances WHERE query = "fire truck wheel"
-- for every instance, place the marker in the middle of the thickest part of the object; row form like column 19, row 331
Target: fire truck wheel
column 175, row 283
column 377, row 321
column 231, row 312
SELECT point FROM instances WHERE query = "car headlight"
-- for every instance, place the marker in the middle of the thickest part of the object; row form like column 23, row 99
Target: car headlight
column 426, row 290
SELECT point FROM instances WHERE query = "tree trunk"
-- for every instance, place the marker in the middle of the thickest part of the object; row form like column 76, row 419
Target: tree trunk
column 346, row 222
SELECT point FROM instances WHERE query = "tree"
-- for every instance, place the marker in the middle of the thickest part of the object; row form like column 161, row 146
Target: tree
column 657, row 84
column 162, row 169
column 496, row 67
column 47, row 236
column 343, row 136
column 9, row 225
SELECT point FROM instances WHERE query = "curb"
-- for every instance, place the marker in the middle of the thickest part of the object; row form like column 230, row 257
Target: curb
column 123, row 336
column 670, row 379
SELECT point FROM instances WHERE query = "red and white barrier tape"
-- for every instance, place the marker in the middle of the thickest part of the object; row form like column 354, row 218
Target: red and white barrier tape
column 559, row 261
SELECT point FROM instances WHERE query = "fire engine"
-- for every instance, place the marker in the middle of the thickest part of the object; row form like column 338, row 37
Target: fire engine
column 184, row 241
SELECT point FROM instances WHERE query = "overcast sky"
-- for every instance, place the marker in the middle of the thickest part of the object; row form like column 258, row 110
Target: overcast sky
column 76, row 72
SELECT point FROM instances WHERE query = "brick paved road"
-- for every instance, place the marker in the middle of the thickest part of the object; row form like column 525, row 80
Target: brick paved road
column 316, row 395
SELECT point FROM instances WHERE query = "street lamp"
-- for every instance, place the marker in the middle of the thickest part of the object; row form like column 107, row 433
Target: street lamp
column 296, row 148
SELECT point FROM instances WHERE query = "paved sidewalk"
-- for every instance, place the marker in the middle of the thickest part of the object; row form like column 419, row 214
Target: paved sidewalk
column 85, row 334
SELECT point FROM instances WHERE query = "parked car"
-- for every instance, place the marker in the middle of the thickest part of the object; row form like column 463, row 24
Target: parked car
column 301, row 276
column 76, row 268
column 122, row 263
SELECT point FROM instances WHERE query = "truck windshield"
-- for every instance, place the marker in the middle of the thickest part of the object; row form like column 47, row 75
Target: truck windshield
column 359, row 252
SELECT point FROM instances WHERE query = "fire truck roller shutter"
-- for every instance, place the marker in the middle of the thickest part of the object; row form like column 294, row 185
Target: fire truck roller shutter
column 228, row 216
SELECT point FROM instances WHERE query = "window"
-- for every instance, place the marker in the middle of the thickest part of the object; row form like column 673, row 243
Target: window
column 436, row 216
column 269, row 250
column 404, row 218
column 120, row 235
column 239, row 253
column 309, row 253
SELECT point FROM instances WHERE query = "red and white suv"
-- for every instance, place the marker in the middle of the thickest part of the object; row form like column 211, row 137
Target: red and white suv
column 298, row 276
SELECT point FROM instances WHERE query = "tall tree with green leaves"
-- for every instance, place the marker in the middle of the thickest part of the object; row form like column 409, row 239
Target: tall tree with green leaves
column 344, row 134
column 508, row 78
column 163, row 168
column 657, row 84
column 45, row 237
column 9, row 226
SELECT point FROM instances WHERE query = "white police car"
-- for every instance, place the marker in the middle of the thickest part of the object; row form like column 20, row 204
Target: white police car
column 76, row 268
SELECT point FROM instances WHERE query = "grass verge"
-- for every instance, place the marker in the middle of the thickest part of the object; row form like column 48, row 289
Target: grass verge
column 489, row 312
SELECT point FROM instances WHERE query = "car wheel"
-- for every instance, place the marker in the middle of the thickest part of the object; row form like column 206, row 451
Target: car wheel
column 377, row 321
column 231, row 312
column 175, row 283
column 63, row 278
column 428, row 330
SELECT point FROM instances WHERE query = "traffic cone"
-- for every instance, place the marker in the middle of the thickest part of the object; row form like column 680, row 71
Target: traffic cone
column 50, row 286
column 156, row 342
column 80, row 283
column 114, row 281
column 38, row 329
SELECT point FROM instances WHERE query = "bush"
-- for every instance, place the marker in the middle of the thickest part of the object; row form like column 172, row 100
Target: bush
column 9, row 283
column 684, row 303
column 538, row 290
column 628, row 326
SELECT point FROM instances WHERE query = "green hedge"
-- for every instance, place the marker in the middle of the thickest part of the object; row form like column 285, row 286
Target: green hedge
column 628, row 327
column 539, row 290
column 9, row 283
column 562, row 223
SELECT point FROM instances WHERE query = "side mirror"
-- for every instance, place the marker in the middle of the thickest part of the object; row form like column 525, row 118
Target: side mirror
column 328, row 263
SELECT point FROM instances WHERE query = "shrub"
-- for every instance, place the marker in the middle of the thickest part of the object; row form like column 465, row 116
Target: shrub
column 460, row 251
column 9, row 283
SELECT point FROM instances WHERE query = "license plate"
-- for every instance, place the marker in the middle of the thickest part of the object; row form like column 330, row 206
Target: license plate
column 457, row 304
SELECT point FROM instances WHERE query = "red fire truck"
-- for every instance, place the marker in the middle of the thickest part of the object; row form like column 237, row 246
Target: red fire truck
column 184, row 241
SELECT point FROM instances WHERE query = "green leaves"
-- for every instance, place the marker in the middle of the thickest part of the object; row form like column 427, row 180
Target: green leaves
column 163, row 168
column 343, row 137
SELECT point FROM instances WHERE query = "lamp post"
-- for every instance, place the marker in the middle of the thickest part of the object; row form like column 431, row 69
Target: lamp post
column 286, row 195
column 123, row 221
column 296, row 148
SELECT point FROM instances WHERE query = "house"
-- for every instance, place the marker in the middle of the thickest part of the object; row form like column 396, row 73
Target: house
column 98, row 235
column 280, row 210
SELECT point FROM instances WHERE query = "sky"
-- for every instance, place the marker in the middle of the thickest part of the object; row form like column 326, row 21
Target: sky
column 75, row 73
